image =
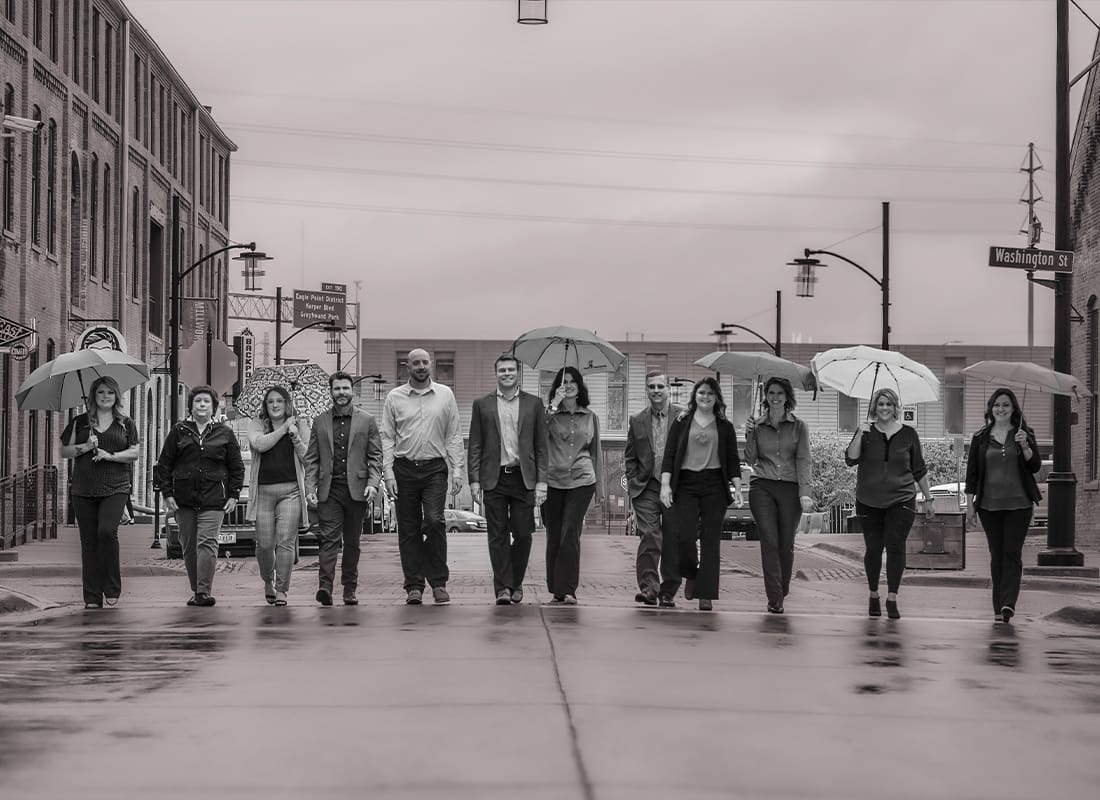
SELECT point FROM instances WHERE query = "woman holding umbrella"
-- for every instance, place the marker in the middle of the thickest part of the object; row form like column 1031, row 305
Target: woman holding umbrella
column 700, row 463
column 573, row 432
column 777, row 445
column 103, row 443
column 200, row 472
column 276, row 494
column 1001, row 489
column 890, row 463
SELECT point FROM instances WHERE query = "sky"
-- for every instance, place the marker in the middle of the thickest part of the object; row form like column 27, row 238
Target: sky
column 642, row 168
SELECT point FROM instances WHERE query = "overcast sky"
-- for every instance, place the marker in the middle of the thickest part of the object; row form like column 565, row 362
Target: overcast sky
column 636, row 166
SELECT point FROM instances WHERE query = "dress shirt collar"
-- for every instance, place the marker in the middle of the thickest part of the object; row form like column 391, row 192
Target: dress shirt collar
column 336, row 412
column 427, row 389
column 502, row 396
column 659, row 413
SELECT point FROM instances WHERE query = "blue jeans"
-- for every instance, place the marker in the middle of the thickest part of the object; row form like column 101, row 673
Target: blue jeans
column 421, row 531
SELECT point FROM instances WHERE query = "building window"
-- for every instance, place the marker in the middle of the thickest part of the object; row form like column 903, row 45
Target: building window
column 107, row 226
column 109, row 68
column 173, row 144
column 401, row 368
column 76, row 43
column 443, row 367
column 202, row 170
column 153, row 114
column 7, row 198
column 93, row 221
column 954, row 396
column 618, row 396
column 77, row 287
column 51, row 189
column 156, row 279
column 36, row 22
column 739, row 404
column 53, row 30
column 36, row 181
column 847, row 413
column 1092, row 383
column 137, row 98
column 95, row 55
column 135, row 245
column 9, row 12
column 162, row 123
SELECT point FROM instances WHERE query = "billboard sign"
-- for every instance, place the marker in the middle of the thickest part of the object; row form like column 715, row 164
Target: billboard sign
column 310, row 307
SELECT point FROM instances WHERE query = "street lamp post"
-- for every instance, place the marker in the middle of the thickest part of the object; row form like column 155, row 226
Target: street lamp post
column 807, row 264
column 777, row 346
column 174, row 300
column 326, row 324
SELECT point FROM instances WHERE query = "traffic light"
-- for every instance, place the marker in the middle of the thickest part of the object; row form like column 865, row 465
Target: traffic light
column 238, row 349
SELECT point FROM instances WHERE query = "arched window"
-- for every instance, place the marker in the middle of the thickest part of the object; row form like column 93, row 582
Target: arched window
column 36, row 181
column 93, row 221
column 7, row 199
column 108, row 228
column 51, row 189
column 1092, row 383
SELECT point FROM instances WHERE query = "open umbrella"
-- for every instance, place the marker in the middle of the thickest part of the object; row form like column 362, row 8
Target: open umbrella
column 307, row 384
column 859, row 371
column 1027, row 376
column 550, row 349
column 753, row 365
column 63, row 383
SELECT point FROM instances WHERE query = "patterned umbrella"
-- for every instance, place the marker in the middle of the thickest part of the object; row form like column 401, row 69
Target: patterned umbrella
column 307, row 384
column 64, row 382
column 550, row 349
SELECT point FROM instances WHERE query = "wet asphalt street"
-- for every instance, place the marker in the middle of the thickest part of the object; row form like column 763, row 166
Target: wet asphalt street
column 475, row 701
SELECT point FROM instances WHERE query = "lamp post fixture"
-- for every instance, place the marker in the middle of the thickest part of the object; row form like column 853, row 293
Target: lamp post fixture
column 251, row 259
column 326, row 324
column 805, row 279
column 531, row 12
column 777, row 346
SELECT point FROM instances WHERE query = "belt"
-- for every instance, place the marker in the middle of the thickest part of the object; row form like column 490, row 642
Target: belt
column 421, row 462
column 510, row 469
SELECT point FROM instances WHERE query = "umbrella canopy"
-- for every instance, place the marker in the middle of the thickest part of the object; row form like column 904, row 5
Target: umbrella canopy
column 550, row 349
column 1027, row 376
column 860, row 371
column 307, row 384
column 752, row 365
column 64, row 382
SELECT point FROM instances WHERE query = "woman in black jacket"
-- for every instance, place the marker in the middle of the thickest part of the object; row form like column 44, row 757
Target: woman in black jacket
column 1001, row 489
column 700, row 462
column 200, row 473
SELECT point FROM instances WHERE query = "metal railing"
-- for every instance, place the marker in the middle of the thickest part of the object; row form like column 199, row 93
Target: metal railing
column 28, row 506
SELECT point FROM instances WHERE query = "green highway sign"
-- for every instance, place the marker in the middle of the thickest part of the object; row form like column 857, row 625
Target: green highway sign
column 1030, row 258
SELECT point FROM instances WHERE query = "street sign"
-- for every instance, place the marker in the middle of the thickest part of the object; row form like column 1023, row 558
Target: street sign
column 12, row 331
column 312, row 307
column 1030, row 258
column 20, row 351
column 223, row 365
column 335, row 288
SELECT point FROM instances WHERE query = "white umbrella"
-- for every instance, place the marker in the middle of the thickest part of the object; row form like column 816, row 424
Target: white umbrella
column 860, row 371
column 64, row 382
column 550, row 349
column 1027, row 376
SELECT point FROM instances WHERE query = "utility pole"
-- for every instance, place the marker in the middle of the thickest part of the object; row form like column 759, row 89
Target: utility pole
column 1034, row 230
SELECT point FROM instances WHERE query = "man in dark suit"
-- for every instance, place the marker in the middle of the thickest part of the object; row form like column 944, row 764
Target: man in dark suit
column 645, row 445
column 506, row 461
column 343, row 470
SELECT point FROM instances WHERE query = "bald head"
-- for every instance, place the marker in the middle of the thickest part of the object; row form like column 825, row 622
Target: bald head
column 420, row 368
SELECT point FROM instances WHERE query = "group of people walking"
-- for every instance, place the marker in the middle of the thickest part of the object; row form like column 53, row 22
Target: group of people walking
column 682, row 466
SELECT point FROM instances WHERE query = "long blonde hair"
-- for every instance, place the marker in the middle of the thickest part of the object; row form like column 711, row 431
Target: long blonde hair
column 89, row 401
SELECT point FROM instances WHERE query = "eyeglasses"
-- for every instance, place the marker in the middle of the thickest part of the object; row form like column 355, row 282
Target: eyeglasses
column 656, row 386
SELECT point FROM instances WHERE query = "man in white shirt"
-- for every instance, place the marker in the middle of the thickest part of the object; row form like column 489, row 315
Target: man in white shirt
column 420, row 440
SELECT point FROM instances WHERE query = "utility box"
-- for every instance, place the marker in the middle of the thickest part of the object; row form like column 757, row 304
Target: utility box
column 937, row 543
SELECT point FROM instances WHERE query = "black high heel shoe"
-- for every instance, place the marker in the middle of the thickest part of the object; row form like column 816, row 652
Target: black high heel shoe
column 892, row 609
column 874, row 607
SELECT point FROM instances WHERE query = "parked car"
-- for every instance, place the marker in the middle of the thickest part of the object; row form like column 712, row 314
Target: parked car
column 458, row 521
column 739, row 520
column 237, row 536
column 951, row 497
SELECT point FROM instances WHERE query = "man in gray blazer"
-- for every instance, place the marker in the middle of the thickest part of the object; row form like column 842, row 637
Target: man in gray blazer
column 506, row 462
column 645, row 446
column 343, row 470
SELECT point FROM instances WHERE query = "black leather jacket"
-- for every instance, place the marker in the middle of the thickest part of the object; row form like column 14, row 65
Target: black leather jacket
column 200, row 471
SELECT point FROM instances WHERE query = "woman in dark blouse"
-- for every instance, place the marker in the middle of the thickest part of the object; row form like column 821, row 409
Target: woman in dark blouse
column 891, row 463
column 700, row 462
column 277, row 490
column 1000, row 487
column 103, row 443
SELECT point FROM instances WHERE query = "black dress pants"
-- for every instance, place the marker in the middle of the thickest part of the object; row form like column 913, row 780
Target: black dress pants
column 1005, row 531
column 340, row 524
column 510, row 517
column 97, row 519
column 563, row 514
column 698, row 508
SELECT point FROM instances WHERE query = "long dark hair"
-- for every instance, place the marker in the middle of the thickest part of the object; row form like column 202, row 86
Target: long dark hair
column 582, row 390
column 719, row 403
column 784, row 384
column 283, row 393
column 116, row 409
column 1017, row 417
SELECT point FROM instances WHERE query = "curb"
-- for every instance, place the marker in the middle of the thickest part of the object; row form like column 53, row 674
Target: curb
column 970, row 581
column 1077, row 615
column 13, row 602
column 73, row 571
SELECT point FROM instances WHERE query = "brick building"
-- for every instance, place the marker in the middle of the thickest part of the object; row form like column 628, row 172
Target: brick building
column 1085, row 327
column 85, row 205
column 467, row 367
